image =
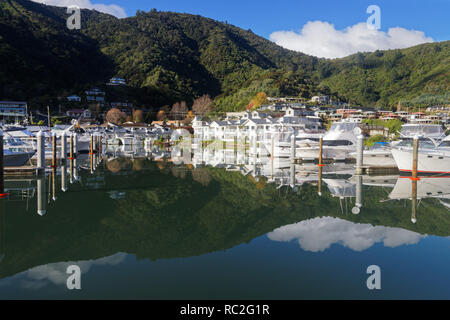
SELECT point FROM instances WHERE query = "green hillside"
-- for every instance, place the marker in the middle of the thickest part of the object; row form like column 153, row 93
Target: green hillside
column 167, row 56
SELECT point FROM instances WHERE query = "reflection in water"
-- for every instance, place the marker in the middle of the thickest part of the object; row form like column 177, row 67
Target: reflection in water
column 55, row 273
column 41, row 196
column 143, row 204
column 319, row 234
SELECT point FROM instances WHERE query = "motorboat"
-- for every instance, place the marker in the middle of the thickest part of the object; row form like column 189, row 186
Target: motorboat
column 432, row 160
column 16, row 158
column 338, row 142
column 378, row 156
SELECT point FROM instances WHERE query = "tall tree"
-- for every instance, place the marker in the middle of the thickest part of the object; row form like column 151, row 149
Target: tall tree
column 138, row 116
column 203, row 105
column 179, row 110
column 115, row 116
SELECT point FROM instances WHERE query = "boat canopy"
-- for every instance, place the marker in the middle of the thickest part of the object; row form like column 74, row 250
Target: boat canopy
column 428, row 130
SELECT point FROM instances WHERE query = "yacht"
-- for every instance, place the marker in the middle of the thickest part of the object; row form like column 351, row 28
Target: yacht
column 433, row 160
column 338, row 142
column 380, row 154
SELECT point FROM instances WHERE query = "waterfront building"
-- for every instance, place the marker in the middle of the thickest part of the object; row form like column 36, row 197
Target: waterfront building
column 13, row 110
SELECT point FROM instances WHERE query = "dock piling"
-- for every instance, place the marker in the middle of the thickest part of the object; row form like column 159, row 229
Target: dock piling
column 53, row 150
column 40, row 150
column 415, row 163
column 360, row 154
column 2, row 175
column 64, row 147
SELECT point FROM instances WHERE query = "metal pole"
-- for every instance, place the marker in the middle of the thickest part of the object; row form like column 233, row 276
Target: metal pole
column 360, row 154
column 41, row 196
column 63, row 178
column 40, row 150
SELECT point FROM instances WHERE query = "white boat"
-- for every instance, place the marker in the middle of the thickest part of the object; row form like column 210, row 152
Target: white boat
column 378, row 156
column 427, row 187
column 338, row 143
column 381, row 155
column 432, row 131
column 432, row 160
column 16, row 159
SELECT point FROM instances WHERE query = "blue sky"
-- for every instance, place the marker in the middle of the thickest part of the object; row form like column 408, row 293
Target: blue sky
column 323, row 28
column 265, row 17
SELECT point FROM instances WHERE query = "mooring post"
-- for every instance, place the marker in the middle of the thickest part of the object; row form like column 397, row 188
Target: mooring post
column 321, row 152
column 41, row 196
column 64, row 147
column 92, row 146
column 63, row 178
column 40, row 150
column 2, row 174
column 71, row 148
column 360, row 154
column 358, row 202
column 293, row 147
column 75, row 145
column 415, row 164
column 414, row 201
column 54, row 198
column 319, row 183
column 53, row 150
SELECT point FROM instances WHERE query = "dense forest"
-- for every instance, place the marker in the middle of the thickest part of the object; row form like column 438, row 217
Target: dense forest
column 168, row 57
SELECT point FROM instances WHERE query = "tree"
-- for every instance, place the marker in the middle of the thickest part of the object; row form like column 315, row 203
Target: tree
column 258, row 100
column 161, row 116
column 203, row 105
column 115, row 116
column 179, row 110
column 138, row 116
column 190, row 116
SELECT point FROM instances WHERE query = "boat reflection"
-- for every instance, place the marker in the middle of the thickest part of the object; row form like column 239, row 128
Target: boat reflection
column 159, row 203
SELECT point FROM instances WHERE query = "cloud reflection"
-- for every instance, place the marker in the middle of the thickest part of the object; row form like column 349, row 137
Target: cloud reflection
column 55, row 273
column 318, row 235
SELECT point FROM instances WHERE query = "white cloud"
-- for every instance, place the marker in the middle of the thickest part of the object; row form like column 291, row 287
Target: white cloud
column 321, row 39
column 55, row 273
column 319, row 234
column 112, row 9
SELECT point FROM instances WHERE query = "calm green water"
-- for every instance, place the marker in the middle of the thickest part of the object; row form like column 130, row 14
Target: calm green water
column 143, row 229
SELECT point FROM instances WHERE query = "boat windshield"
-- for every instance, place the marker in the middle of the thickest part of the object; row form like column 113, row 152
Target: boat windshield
column 425, row 130
column 423, row 143
column 344, row 126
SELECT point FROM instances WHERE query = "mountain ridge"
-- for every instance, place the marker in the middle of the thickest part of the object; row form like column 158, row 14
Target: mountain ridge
column 167, row 56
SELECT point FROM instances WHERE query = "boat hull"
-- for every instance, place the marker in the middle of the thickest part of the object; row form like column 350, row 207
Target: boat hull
column 429, row 162
column 17, row 159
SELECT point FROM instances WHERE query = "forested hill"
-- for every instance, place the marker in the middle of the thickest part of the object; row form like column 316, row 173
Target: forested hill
column 167, row 57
